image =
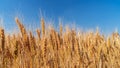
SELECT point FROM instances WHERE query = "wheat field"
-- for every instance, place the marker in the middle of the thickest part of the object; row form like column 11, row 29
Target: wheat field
column 58, row 49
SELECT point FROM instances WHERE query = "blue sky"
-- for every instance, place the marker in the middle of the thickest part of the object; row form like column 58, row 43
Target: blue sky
column 84, row 14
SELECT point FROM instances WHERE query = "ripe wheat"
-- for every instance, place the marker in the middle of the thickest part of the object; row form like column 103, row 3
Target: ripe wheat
column 63, row 49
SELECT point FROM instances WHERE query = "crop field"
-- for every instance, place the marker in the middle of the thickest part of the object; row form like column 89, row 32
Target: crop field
column 65, row 48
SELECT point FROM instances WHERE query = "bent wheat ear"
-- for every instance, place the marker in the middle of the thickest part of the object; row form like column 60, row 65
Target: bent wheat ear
column 21, row 27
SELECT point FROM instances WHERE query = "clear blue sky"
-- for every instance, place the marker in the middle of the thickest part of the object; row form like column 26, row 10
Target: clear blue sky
column 84, row 13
